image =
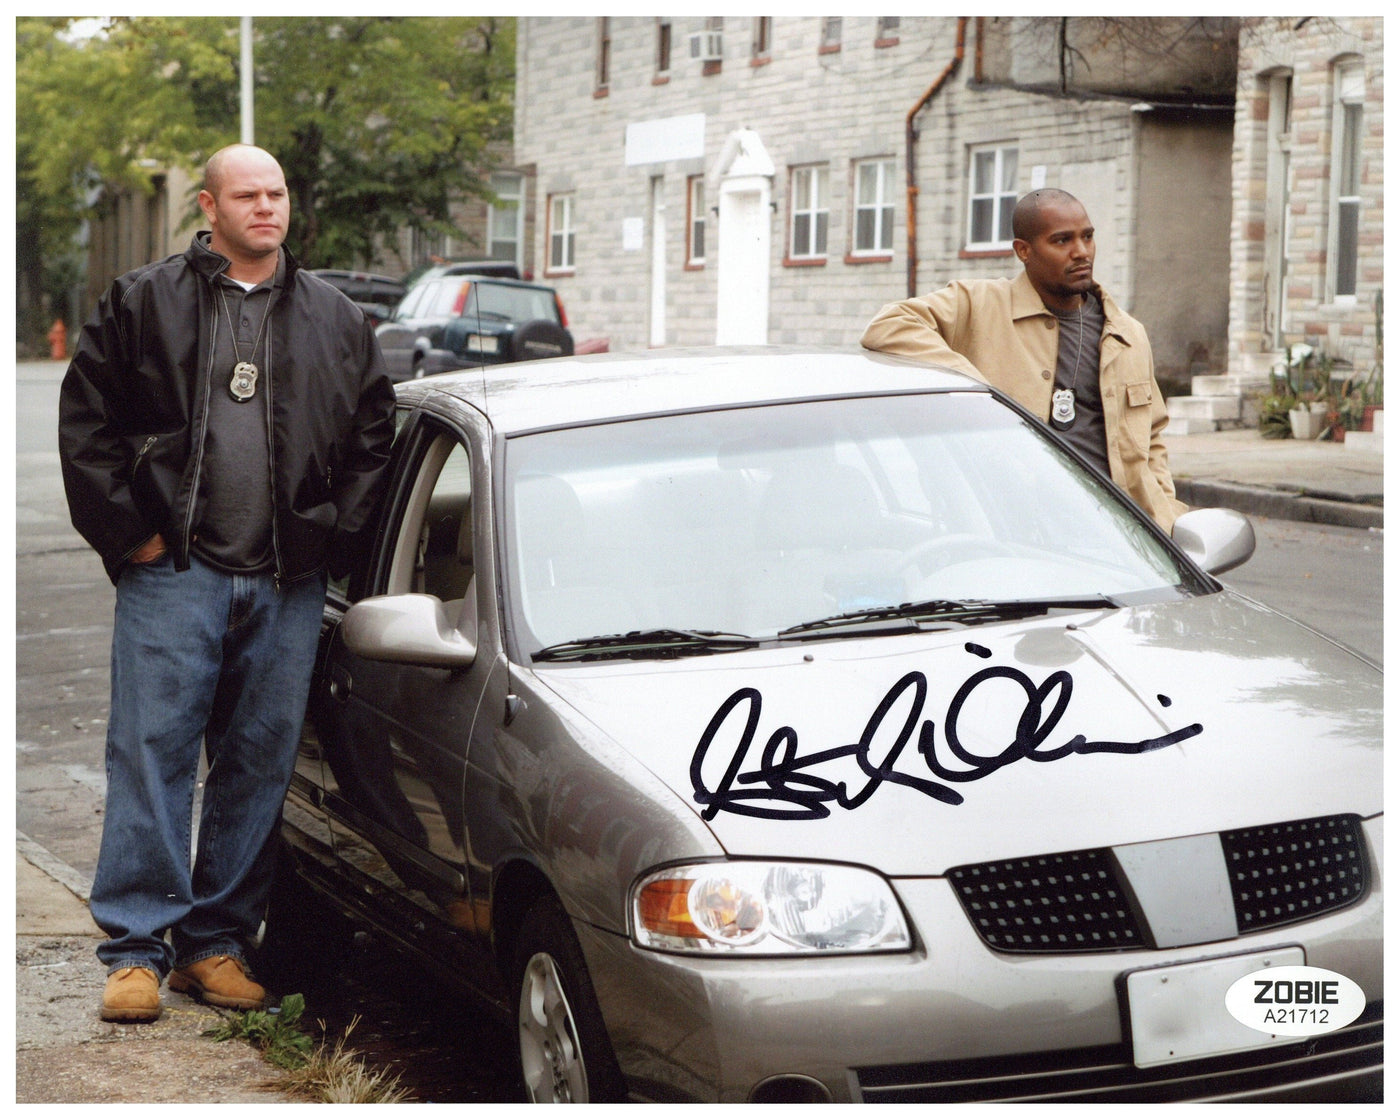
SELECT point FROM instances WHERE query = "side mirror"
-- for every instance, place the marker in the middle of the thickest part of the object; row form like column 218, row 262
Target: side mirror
column 411, row 630
column 1216, row 539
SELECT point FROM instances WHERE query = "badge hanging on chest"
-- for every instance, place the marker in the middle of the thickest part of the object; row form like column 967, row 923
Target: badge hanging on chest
column 1062, row 407
column 244, row 382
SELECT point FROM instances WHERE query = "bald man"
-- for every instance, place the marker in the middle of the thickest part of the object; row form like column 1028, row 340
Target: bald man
column 1054, row 341
column 223, row 430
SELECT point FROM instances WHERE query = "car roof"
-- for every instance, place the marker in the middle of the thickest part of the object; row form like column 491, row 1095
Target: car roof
column 559, row 392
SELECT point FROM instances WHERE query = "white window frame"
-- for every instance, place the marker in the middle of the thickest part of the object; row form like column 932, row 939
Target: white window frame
column 881, row 207
column 1348, row 132
column 510, row 211
column 560, row 237
column 811, row 194
column 1000, row 195
column 695, row 221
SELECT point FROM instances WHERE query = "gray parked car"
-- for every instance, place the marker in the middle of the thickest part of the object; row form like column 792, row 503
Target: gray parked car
column 799, row 726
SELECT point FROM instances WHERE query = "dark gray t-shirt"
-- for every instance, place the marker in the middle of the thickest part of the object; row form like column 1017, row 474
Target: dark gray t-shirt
column 1077, row 369
column 235, row 526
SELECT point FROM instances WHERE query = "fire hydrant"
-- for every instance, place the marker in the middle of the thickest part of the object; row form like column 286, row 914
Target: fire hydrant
column 58, row 340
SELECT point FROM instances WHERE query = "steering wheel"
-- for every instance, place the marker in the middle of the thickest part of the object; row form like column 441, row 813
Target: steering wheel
column 939, row 552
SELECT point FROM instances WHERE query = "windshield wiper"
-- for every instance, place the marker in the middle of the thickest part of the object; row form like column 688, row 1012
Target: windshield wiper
column 646, row 645
column 956, row 612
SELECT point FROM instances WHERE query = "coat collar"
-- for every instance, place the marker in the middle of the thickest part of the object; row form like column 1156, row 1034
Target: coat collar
column 210, row 264
column 1026, row 301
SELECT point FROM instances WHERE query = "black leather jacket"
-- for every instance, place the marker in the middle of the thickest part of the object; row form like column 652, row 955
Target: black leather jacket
column 135, row 402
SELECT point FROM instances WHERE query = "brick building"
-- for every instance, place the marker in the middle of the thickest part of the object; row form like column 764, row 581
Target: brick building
column 761, row 179
column 1306, row 239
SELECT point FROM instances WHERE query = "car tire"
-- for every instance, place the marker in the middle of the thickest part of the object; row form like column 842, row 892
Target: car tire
column 565, row 1055
column 540, row 338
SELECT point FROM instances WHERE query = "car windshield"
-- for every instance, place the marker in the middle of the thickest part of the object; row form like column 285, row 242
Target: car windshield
column 694, row 532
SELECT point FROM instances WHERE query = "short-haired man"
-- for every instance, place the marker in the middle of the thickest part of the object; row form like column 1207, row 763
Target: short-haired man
column 225, row 421
column 1056, row 343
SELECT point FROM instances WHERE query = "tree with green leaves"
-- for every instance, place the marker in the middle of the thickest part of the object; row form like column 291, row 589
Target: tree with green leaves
column 381, row 124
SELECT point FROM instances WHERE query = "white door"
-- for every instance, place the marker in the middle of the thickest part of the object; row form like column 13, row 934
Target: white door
column 745, row 233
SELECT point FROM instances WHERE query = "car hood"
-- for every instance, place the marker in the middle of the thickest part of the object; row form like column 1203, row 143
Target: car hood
column 917, row 753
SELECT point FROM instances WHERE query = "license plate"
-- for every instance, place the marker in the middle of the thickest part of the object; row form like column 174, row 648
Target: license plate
column 1178, row 1012
column 483, row 343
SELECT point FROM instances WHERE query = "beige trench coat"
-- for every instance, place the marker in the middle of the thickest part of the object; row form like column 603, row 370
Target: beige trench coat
column 1000, row 332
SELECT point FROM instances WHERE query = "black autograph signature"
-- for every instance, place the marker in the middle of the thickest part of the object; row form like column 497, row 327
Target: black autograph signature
column 782, row 787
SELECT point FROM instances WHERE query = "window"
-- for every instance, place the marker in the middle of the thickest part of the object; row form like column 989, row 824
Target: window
column 1350, row 90
column 887, row 31
column 713, row 66
column 991, row 197
column 663, row 49
column 561, row 233
column 695, row 222
column 604, row 60
column 809, row 213
column 505, row 219
column 831, row 35
column 874, row 208
column 762, row 38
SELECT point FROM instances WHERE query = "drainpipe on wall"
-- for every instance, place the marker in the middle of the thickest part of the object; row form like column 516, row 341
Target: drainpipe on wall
column 911, row 187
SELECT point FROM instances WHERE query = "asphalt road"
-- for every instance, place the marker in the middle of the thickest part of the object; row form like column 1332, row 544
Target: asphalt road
column 1330, row 578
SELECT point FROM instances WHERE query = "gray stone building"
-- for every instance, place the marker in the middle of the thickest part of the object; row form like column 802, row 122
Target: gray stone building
column 777, row 179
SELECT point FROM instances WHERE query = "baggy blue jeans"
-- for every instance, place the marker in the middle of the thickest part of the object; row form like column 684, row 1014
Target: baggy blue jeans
column 200, row 656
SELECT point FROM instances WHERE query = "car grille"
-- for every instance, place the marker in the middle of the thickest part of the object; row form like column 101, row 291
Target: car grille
column 1287, row 872
column 1080, row 902
column 1345, row 1064
column 1068, row 902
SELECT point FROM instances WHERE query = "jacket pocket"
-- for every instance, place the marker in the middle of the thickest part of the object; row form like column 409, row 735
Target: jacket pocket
column 1137, row 420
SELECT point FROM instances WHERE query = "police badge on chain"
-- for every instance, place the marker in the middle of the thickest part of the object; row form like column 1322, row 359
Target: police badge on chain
column 1062, row 406
column 244, row 382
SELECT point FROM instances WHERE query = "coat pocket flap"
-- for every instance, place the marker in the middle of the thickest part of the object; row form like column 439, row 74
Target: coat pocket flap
column 1139, row 393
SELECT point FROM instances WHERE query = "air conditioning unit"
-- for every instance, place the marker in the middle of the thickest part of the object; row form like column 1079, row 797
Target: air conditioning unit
column 707, row 46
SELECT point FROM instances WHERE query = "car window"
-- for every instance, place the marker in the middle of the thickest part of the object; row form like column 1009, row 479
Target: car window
column 409, row 307
column 444, row 299
column 753, row 520
column 518, row 305
column 433, row 553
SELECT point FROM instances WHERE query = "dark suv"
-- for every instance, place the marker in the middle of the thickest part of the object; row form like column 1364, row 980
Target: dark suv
column 450, row 320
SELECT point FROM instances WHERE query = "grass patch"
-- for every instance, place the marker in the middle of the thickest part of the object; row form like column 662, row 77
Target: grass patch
column 329, row 1073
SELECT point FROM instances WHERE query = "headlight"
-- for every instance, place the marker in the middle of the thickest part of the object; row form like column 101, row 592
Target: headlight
column 767, row 909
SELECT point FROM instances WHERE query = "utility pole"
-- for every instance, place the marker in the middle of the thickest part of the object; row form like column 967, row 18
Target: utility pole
column 245, row 82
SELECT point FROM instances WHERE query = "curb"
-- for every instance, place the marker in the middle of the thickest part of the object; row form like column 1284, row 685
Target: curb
column 1282, row 504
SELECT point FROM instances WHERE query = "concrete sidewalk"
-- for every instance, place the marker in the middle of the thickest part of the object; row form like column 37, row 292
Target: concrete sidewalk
column 65, row 1054
column 1296, row 480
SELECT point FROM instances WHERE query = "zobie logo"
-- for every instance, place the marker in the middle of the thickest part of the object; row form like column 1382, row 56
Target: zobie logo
column 1295, row 1000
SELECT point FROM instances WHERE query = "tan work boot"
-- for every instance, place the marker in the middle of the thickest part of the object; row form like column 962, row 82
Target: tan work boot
column 222, row 981
column 132, row 995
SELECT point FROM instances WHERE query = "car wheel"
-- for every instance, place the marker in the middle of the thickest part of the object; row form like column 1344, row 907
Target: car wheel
column 539, row 338
column 565, row 1055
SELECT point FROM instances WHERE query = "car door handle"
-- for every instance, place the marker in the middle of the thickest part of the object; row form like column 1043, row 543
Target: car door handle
column 340, row 683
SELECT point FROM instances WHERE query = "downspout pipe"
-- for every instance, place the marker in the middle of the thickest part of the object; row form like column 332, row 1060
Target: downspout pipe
column 911, row 186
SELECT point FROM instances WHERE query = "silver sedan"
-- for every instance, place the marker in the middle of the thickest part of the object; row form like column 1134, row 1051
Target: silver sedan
column 800, row 726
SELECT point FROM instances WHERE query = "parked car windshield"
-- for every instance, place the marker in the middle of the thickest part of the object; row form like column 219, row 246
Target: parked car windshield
column 752, row 521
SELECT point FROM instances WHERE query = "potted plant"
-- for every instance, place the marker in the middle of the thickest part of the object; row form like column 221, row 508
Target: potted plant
column 1309, row 376
column 1274, row 407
